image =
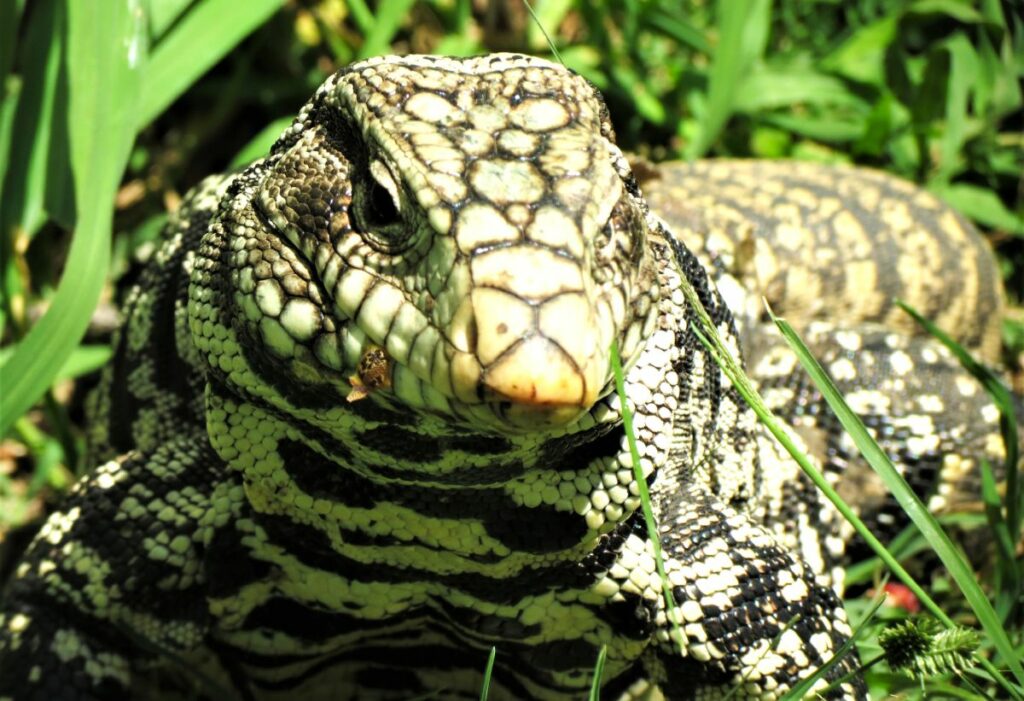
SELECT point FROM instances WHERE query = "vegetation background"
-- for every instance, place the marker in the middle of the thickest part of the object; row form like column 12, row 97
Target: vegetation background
column 111, row 110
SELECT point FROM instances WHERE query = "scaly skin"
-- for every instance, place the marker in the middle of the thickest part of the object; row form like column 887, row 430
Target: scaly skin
column 360, row 429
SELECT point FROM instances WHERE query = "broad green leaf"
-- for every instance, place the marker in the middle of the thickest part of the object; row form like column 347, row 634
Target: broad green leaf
column 954, row 9
column 83, row 360
column 744, row 33
column 164, row 13
column 988, row 68
column 963, row 73
column 106, row 51
column 644, row 100
column 929, row 102
column 877, row 127
column 818, row 153
column 203, row 36
column 1007, row 65
column 862, row 56
column 767, row 88
column 982, row 205
column 832, row 129
column 460, row 45
column 259, row 145
column 769, row 142
column 586, row 61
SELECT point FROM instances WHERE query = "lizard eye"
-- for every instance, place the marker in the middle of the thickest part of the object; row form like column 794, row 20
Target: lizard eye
column 382, row 205
column 378, row 210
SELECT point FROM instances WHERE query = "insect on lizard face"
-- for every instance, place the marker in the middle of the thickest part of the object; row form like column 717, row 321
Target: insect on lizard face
column 471, row 219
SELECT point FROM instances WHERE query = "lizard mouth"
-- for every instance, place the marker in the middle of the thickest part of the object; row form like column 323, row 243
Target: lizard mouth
column 489, row 370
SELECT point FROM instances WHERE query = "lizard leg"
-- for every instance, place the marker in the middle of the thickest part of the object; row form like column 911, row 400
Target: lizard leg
column 120, row 563
column 754, row 618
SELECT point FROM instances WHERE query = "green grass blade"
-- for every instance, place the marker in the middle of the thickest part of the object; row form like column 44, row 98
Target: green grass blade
column 24, row 187
column 708, row 335
column 203, row 36
column 538, row 24
column 1009, row 586
column 911, row 505
column 804, row 687
column 645, row 494
column 83, row 359
column 259, row 145
column 547, row 14
column 981, row 204
column 163, row 14
column 488, row 671
column 1006, row 529
column 1003, row 400
column 106, row 50
column 773, row 87
column 10, row 17
column 362, row 15
column 386, row 24
column 683, row 32
column 743, row 33
column 963, row 73
column 908, row 543
column 595, row 685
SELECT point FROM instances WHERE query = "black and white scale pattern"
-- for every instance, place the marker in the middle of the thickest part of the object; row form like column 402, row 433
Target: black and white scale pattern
column 260, row 529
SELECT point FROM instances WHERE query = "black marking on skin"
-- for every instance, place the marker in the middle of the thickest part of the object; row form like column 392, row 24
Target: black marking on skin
column 362, row 539
column 172, row 376
column 632, row 617
column 319, row 477
column 228, row 564
column 124, row 404
column 311, row 547
column 50, row 612
column 484, row 628
column 542, row 529
column 617, row 687
column 574, row 451
column 98, row 514
column 308, row 623
column 401, row 445
column 712, row 393
column 411, row 446
column 498, row 472
column 390, row 679
column 299, row 394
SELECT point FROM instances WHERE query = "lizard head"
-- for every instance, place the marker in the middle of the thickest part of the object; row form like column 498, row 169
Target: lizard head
column 470, row 225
